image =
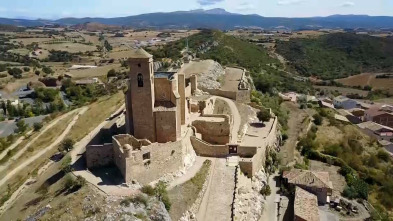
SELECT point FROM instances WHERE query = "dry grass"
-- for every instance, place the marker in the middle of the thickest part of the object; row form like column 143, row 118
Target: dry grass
column 21, row 51
column 93, row 72
column 342, row 90
column 69, row 46
column 184, row 195
column 27, row 41
column 96, row 114
column 368, row 79
column 45, row 140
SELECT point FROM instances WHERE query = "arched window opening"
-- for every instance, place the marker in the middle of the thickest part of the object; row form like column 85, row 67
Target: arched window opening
column 140, row 80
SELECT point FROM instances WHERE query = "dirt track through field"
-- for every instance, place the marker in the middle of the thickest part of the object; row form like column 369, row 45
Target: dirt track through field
column 11, row 173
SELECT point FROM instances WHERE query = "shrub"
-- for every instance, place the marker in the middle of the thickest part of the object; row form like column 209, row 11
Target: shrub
column 149, row 190
column 383, row 155
column 317, row 119
column 37, row 126
column 349, row 192
column 263, row 115
column 284, row 136
column 162, row 194
column 111, row 73
column 66, row 145
column 26, row 69
column 74, row 184
column 265, row 191
column 140, row 198
column 66, row 166
column 37, row 72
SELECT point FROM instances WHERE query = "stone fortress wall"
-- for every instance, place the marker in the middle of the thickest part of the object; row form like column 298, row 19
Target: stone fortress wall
column 140, row 160
column 214, row 128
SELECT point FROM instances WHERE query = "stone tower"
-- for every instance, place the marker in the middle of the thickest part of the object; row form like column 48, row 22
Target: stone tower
column 140, row 120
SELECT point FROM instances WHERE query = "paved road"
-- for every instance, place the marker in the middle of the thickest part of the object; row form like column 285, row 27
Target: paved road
column 11, row 173
column 8, row 127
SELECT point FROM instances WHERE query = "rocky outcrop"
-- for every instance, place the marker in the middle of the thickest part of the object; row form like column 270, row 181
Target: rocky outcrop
column 210, row 78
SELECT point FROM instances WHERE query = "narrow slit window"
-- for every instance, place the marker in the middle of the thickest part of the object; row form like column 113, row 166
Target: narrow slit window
column 140, row 80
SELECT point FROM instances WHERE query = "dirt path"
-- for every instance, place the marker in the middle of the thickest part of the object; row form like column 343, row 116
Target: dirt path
column 23, row 150
column 43, row 151
column 271, row 211
column 296, row 118
column 217, row 200
column 14, row 145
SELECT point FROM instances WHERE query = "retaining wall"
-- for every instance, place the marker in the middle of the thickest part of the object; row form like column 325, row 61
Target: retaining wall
column 205, row 149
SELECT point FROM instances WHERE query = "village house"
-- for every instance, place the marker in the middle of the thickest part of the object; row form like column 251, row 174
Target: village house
column 317, row 183
column 305, row 206
column 344, row 102
column 377, row 115
column 378, row 131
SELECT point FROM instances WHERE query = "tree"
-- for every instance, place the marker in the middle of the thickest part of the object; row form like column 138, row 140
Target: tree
column 37, row 126
column 37, row 72
column 47, row 70
column 107, row 45
column 317, row 119
column 16, row 72
column 111, row 73
column 66, row 145
column 263, row 115
column 21, row 127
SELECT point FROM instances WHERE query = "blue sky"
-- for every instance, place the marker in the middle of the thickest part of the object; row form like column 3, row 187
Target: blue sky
column 111, row 8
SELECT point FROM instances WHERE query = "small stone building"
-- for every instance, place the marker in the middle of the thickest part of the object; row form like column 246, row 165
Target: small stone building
column 317, row 183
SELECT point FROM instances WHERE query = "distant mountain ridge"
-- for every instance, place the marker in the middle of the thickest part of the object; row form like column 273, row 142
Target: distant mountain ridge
column 218, row 19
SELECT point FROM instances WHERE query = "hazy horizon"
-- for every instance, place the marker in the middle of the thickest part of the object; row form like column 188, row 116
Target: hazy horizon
column 47, row 9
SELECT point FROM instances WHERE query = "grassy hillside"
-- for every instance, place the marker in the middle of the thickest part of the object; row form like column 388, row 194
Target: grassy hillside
column 338, row 55
column 228, row 50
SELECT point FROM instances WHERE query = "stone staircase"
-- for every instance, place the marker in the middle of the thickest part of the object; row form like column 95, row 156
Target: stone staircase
column 232, row 161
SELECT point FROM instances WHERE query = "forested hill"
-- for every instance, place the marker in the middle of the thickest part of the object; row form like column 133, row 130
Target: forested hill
column 229, row 50
column 338, row 55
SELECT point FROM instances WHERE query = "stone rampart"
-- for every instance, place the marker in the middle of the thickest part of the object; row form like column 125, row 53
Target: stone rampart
column 215, row 132
column 205, row 149
column 99, row 155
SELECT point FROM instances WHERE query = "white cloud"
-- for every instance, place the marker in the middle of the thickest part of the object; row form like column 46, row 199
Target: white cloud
column 245, row 6
column 290, row 2
column 209, row 2
column 348, row 4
